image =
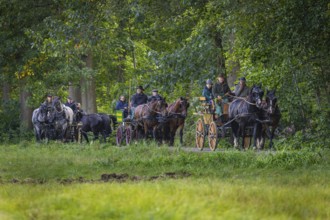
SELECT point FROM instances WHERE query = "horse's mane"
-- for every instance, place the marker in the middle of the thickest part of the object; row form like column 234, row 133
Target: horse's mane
column 174, row 104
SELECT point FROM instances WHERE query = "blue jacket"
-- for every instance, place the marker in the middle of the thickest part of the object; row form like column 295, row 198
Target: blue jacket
column 207, row 93
column 121, row 105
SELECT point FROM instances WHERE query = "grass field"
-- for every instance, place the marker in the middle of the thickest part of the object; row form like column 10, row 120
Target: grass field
column 57, row 181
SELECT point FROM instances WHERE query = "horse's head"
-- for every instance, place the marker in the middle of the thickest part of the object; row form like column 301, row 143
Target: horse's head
column 159, row 106
column 256, row 95
column 43, row 111
column 271, row 100
column 79, row 116
column 184, row 105
column 57, row 104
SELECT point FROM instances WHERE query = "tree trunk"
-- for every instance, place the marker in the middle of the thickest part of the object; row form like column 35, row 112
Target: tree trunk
column 5, row 92
column 25, row 110
column 233, row 65
column 88, row 90
column 75, row 92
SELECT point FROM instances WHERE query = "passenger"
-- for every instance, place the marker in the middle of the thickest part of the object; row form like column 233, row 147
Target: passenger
column 207, row 93
column 122, row 105
column 241, row 89
column 138, row 98
column 220, row 91
column 78, row 108
column 71, row 103
column 155, row 96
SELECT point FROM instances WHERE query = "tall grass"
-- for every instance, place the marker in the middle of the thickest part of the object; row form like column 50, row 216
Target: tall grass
column 221, row 185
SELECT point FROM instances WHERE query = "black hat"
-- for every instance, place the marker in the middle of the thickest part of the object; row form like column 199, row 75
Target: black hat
column 140, row 87
column 49, row 95
column 155, row 90
column 70, row 98
column 242, row 78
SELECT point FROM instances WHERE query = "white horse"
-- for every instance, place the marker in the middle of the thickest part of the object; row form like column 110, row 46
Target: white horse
column 39, row 119
column 62, row 118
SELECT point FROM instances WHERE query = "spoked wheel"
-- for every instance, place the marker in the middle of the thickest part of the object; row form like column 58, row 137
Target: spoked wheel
column 200, row 134
column 129, row 135
column 120, row 135
column 213, row 136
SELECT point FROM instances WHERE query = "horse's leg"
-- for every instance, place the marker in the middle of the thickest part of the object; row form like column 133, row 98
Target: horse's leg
column 255, row 135
column 272, row 132
column 241, row 128
column 84, row 134
column 235, row 132
column 181, row 133
column 36, row 134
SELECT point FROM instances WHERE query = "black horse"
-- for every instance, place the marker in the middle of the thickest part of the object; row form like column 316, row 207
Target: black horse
column 39, row 121
column 106, row 124
column 246, row 112
column 271, row 115
column 93, row 123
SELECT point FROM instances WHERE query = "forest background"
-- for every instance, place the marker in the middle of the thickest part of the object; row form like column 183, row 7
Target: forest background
column 95, row 51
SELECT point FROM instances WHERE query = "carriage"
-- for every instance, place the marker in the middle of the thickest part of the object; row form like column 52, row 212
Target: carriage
column 126, row 130
column 213, row 129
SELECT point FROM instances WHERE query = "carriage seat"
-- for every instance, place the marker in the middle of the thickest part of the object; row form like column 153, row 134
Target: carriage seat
column 202, row 99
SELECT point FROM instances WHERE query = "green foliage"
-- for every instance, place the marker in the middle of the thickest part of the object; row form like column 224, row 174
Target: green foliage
column 64, row 181
column 173, row 46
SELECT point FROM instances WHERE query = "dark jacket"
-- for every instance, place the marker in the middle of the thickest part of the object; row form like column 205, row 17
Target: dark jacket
column 220, row 89
column 207, row 93
column 241, row 92
column 71, row 105
column 156, row 97
column 139, row 99
column 121, row 105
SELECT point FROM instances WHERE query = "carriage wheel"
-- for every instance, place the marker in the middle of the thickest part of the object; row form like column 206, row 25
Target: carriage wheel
column 129, row 134
column 213, row 136
column 79, row 140
column 119, row 135
column 200, row 134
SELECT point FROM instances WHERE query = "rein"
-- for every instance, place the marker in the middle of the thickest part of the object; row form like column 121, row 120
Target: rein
column 236, row 97
column 151, row 110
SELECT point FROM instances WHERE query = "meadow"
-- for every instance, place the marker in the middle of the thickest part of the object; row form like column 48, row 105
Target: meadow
column 101, row 181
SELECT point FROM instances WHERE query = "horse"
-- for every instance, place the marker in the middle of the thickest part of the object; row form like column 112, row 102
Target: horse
column 243, row 112
column 61, row 117
column 148, row 117
column 272, row 115
column 177, row 113
column 106, row 120
column 39, row 120
column 91, row 122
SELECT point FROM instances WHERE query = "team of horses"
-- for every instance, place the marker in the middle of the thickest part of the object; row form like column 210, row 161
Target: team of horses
column 162, row 121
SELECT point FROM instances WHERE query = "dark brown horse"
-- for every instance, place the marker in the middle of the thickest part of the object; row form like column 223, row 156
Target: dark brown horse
column 177, row 113
column 271, row 115
column 148, row 116
column 246, row 112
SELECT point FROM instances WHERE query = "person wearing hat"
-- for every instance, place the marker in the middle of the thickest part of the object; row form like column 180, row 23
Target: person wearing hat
column 155, row 96
column 220, row 91
column 138, row 98
column 207, row 91
column 241, row 89
column 71, row 103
